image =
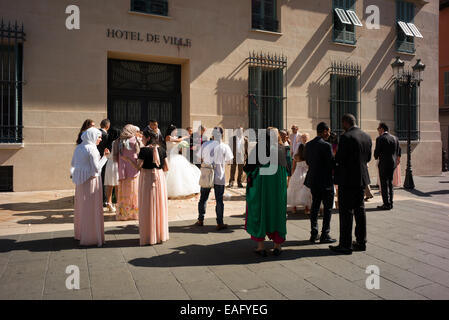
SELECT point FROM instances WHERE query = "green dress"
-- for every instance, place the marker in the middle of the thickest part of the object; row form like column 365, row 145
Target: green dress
column 266, row 201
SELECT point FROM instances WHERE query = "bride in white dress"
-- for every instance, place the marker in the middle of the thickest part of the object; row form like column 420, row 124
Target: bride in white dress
column 183, row 177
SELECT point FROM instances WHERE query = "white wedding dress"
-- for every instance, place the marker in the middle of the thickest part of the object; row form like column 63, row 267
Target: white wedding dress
column 182, row 176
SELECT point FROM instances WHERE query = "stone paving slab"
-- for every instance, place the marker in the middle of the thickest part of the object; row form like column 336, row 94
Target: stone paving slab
column 409, row 244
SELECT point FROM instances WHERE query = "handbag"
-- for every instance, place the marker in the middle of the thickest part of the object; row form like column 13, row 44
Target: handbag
column 207, row 176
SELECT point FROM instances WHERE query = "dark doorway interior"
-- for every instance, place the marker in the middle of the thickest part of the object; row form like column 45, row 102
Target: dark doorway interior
column 140, row 91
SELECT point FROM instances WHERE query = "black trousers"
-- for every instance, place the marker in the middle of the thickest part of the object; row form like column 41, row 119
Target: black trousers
column 325, row 195
column 351, row 203
column 386, row 186
column 239, row 174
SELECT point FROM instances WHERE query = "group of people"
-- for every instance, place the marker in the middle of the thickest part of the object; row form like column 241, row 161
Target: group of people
column 327, row 164
column 147, row 168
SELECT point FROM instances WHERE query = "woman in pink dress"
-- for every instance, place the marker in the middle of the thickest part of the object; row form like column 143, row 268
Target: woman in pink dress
column 397, row 172
column 127, row 195
column 86, row 174
column 153, row 196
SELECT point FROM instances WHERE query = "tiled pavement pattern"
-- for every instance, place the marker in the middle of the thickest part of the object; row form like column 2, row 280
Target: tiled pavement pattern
column 409, row 244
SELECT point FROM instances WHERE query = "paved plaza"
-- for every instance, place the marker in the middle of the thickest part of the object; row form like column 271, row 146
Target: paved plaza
column 409, row 245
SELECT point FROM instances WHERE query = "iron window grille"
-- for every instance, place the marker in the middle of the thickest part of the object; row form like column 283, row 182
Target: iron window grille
column 12, row 37
column 342, row 32
column 402, row 110
column 405, row 12
column 264, row 15
column 446, row 88
column 159, row 7
column 345, row 93
column 266, row 90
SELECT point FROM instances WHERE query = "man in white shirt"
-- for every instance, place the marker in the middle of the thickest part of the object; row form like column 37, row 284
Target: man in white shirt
column 218, row 154
column 294, row 140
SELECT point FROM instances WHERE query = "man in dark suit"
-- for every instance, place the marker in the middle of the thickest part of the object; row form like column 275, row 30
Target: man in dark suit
column 199, row 138
column 153, row 127
column 351, row 176
column 105, row 124
column 319, row 158
column 387, row 151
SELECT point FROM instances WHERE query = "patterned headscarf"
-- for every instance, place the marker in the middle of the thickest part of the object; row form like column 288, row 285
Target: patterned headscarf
column 129, row 131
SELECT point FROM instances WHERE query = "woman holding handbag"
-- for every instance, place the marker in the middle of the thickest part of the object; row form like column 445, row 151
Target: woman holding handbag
column 153, row 199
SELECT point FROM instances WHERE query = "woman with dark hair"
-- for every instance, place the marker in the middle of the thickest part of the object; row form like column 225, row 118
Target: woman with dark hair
column 153, row 198
column 183, row 177
column 111, row 172
column 266, row 197
column 88, row 123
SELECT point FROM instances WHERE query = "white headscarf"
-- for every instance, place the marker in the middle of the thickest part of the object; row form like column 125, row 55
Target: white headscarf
column 90, row 136
column 86, row 160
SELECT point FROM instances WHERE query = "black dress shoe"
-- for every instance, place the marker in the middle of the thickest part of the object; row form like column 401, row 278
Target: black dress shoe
column 384, row 207
column 262, row 253
column 358, row 246
column 277, row 251
column 340, row 250
column 313, row 238
column 327, row 239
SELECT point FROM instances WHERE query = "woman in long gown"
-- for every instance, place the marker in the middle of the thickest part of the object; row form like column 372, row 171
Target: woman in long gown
column 86, row 174
column 127, row 195
column 153, row 199
column 266, row 199
column 183, row 177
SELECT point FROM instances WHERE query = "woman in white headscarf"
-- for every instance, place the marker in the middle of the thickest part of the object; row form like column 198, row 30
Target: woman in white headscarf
column 86, row 174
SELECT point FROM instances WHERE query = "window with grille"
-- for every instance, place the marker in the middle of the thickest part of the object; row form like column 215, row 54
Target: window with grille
column 446, row 88
column 264, row 15
column 11, row 73
column 344, row 29
column 405, row 12
column 266, row 91
column 402, row 111
column 159, row 7
column 344, row 98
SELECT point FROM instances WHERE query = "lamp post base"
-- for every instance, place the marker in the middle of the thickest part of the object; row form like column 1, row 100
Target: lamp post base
column 408, row 183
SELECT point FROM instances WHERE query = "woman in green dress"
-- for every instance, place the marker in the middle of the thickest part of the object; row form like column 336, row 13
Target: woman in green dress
column 266, row 199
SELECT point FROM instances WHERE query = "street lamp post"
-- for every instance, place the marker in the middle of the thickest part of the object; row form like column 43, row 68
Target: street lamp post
column 410, row 80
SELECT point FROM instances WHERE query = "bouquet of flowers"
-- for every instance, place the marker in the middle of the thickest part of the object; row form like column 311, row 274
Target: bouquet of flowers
column 183, row 144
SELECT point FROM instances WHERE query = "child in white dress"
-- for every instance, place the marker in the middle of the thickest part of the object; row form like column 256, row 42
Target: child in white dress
column 297, row 193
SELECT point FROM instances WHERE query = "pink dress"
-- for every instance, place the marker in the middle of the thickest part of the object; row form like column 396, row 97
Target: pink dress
column 153, row 197
column 127, row 195
column 89, row 220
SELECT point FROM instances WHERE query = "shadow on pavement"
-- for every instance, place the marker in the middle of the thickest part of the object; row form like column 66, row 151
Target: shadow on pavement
column 427, row 194
column 54, row 217
column 235, row 252
column 62, row 203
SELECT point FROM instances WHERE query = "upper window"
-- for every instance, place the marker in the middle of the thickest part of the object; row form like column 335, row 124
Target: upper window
column 159, row 7
column 406, row 29
column 345, row 19
column 264, row 15
column 11, row 55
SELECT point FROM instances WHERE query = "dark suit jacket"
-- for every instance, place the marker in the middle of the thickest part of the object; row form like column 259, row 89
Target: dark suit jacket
column 387, row 151
column 104, row 142
column 320, row 160
column 354, row 152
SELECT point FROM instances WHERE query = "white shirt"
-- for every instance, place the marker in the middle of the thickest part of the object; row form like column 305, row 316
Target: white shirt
column 218, row 154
